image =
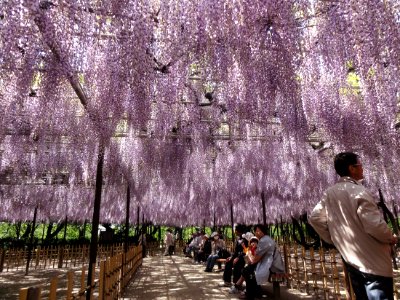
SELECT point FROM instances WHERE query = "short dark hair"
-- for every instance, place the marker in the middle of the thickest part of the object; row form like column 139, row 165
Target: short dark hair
column 262, row 227
column 241, row 228
column 342, row 162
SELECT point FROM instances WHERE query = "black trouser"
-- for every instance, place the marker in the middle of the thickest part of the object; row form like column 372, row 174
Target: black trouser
column 369, row 286
column 248, row 270
column 202, row 256
column 235, row 269
column 252, row 288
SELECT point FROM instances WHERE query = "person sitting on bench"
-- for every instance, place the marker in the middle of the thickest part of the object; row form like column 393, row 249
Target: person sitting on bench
column 250, row 267
column 235, row 263
column 267, row 258
column 216, row 246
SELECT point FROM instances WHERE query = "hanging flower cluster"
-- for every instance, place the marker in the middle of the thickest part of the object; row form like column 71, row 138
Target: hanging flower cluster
column 201, row 106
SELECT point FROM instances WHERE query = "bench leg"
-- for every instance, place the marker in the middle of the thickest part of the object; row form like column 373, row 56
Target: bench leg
column 277, row 290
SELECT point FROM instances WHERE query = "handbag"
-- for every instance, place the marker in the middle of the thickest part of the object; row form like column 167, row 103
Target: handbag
column 277, row 269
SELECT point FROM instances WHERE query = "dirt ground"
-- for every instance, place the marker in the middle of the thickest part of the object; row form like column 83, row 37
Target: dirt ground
column 13, row 280
column 178, row 278
column 160, row 277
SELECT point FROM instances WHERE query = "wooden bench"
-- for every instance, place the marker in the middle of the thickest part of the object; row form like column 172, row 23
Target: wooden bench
column 219, row 262
column 276, row 280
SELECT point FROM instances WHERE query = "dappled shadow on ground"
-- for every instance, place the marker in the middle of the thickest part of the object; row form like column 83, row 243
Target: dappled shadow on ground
column 160, row 277
column 176, row 277
column 13, row 280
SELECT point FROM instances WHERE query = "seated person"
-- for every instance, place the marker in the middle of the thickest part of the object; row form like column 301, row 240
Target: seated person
column 194, row 245
column 235, row 263
column 186, row 249
column 249, row 269
column 216, row 246
column 205, row 249
column 266, row 257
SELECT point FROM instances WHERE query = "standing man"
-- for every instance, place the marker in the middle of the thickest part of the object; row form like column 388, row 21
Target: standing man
column 348, row 217
column 169, row 242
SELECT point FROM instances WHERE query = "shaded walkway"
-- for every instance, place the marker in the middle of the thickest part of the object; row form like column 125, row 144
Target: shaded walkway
column 176, row 277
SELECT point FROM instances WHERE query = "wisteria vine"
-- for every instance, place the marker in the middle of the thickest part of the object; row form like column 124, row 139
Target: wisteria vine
column 201, row 106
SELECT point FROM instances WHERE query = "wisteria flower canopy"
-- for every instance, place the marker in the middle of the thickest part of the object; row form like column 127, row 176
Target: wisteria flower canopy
column 199, row 105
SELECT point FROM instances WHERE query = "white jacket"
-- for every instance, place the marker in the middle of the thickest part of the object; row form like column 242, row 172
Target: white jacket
column 348, row 217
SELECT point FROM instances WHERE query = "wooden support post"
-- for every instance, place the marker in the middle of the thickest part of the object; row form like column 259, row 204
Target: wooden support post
column 53, row 288
column 123, row 276
column 23, row 294
column 102, row 277
column 313, row 271
column 37, row 260
column 305, row 271
column 296, row 264
column 335, row 273
column 70, row 284
column 286, row 257
column 32, row 293
column 263, row 208
column 324, row 275
column 96, row 217
column 30, row 246
column 60, row 257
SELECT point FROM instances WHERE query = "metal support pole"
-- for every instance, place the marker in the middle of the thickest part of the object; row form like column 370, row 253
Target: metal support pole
column 142, row 229
column 214, row 225
column 30, row 246
column 44, row 227
column 263, row 208
column 232, row 224
column 96, row 218
column 128, row 204
column 138, row 220
column 65, row 229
